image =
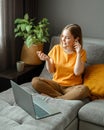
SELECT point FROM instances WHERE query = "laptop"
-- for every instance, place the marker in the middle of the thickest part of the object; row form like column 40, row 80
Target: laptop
column 35, row 106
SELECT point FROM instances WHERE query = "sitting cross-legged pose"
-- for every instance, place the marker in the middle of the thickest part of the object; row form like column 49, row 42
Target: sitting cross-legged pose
column 66, row 62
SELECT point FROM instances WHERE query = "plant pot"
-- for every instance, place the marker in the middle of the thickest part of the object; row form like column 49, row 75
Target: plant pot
column 29, row 56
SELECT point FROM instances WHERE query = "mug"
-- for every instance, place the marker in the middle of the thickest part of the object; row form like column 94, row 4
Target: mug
column 20, row 66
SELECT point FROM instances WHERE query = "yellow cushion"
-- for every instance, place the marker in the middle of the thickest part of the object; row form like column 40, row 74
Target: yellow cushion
column 94, row 79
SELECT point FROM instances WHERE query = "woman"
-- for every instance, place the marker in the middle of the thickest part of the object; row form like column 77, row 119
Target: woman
column 66, row 61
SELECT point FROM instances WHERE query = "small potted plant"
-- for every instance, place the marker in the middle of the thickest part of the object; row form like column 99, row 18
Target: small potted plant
column 34, row 36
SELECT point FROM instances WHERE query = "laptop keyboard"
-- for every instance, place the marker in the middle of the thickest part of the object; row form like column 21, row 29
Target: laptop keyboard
column 40, row 112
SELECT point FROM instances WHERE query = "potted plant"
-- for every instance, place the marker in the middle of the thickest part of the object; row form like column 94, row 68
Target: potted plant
column 34, row 36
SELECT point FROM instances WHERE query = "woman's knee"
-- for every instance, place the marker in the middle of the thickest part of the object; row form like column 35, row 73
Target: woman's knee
column 84, row 91
column 35, row 82
column 87, row 91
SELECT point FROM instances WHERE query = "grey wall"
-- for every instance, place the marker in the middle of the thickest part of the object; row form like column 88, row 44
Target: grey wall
column 89, row 14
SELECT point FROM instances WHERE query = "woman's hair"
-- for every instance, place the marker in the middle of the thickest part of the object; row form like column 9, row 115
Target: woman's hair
column 75, row 30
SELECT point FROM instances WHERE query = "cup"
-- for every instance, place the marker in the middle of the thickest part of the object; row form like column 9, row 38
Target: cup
column 20, row 66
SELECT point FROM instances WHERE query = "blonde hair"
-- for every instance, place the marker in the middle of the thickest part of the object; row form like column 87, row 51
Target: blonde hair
column 75, row 30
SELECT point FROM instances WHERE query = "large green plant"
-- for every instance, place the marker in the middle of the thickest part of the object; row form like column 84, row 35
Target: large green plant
column 31, row 32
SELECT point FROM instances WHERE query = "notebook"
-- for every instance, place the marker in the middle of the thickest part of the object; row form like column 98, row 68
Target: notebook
column 35, row 106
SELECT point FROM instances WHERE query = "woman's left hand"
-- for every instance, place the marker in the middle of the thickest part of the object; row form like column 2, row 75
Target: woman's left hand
column 77, row 46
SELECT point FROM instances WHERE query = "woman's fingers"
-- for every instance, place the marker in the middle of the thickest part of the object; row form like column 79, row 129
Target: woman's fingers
column 41, row 55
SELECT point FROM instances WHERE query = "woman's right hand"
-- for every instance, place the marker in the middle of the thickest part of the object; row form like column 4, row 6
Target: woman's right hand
column 42, row 56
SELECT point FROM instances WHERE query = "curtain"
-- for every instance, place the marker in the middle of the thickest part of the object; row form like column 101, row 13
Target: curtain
column 9, row 49
column 2, row 35
column 7, row 52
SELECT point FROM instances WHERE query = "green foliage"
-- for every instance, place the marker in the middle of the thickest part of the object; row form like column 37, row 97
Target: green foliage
column 31, row 32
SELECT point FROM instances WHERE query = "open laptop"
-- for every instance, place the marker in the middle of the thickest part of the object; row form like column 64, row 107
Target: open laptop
column 33, row 105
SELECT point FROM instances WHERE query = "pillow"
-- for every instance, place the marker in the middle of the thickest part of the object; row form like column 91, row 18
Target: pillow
column 94, row 52
column 54, row 40
column 94, row 79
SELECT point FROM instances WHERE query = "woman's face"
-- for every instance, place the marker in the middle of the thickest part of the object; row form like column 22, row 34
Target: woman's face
column 67, row 40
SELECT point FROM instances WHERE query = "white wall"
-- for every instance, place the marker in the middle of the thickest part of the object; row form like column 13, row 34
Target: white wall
column 89, row 14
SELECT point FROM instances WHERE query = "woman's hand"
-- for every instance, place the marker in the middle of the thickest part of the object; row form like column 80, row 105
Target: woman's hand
column 77, row 46
column 49, row 61
column 42, row 56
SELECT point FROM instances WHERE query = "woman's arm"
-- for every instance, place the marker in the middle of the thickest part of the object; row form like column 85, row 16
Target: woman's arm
column 79, row 65
column 49, row 61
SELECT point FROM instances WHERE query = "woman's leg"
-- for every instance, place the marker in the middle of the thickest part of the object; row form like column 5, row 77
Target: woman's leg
column 75, row 93
column 45, row 86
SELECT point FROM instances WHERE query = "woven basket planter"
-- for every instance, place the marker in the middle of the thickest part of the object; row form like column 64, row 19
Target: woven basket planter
column 29, row 56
